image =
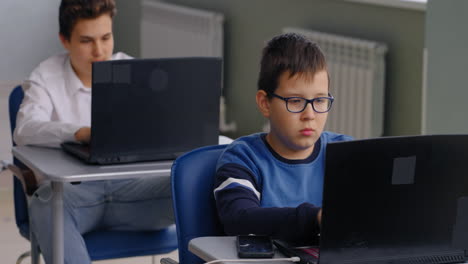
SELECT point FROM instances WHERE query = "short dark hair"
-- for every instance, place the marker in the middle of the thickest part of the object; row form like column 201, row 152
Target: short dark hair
column 289, row 52
column 71, row 11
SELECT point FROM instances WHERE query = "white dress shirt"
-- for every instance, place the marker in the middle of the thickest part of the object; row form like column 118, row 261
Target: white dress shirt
column 56, row 104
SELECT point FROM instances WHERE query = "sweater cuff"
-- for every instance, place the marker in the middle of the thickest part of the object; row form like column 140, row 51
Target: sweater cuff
column 308, row 214
column 68, row 132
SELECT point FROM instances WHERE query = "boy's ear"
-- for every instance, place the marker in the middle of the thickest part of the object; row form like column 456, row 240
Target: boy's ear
column 65, row 42
column 263, row 103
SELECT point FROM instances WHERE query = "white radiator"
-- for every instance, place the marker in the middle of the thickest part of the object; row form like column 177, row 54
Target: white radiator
column 357, row 70
column 169, row 30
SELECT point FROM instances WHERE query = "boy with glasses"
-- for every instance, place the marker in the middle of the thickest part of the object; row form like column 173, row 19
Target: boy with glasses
column 271, row 183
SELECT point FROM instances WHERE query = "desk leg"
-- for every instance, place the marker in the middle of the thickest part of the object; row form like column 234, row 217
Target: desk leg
column 57, row 223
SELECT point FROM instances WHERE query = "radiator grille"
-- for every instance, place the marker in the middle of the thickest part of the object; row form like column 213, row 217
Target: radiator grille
column 169, row 30
column 357, row 70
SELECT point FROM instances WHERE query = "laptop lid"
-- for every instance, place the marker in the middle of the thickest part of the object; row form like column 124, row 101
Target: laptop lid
column 153, row 109
column 396, row 200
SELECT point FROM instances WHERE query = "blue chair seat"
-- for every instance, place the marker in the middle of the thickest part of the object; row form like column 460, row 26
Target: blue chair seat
column 105, row 244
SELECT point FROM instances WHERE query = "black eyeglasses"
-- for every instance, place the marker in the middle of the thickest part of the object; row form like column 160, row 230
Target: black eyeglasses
column 299, row 104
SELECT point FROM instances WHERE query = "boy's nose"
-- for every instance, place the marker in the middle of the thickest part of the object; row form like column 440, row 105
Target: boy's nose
column 98, row 49
column 308, row 112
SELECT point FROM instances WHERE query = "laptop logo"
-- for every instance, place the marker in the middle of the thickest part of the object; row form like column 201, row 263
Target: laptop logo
column 403, row 170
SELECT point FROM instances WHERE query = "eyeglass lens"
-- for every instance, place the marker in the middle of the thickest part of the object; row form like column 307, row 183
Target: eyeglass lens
column 298, row 104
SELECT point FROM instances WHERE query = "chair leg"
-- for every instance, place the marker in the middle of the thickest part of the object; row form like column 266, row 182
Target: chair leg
column 23, row 256
column 35, row 251
column 34, row 254
column 168, row 261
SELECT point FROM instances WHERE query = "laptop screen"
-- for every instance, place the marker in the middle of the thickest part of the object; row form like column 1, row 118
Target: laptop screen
column 146, row 109
column 396, row 199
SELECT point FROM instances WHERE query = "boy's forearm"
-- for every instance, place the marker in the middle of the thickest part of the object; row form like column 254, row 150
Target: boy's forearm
column 42, row 133
column 244, row 217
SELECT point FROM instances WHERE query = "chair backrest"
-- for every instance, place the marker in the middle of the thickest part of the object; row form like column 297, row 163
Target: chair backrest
column 194, row 206
column 21, row 206
column 14, row 102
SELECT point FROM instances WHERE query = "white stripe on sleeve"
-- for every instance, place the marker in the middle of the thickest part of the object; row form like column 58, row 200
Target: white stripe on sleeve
column 242, row 182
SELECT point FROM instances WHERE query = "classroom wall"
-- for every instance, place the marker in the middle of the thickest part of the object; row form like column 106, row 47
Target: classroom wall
column 248, row 24
column 29, row 34
column 127, row 27
column 29, row 30
column 447, row 67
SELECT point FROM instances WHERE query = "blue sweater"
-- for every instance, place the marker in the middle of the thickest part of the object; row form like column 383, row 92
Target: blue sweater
column 259, row 192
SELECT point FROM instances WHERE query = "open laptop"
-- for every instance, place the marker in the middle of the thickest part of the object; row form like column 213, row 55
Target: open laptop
column 151, row 109
column 396, row 200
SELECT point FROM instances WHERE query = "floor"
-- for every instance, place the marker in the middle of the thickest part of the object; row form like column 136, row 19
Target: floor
column 12, row 244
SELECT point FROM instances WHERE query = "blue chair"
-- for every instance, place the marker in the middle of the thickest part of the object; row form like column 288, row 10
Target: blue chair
column 193, row 201
column 101, row 244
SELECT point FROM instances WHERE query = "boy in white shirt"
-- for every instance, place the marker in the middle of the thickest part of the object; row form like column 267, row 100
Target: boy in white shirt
column 57, row 108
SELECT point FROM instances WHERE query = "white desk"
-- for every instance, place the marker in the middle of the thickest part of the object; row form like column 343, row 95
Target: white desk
column 222, row 247
column 59, row 167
